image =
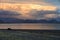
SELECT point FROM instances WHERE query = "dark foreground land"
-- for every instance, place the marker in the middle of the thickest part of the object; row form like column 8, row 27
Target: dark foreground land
column 9, row 34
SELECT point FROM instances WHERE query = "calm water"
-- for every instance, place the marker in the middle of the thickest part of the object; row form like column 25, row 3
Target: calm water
column 31, row 26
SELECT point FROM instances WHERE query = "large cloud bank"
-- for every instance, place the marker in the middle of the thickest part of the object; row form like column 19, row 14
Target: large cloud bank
column 28, row 11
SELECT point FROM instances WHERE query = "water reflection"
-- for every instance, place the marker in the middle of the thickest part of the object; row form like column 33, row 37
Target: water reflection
column 30, row 26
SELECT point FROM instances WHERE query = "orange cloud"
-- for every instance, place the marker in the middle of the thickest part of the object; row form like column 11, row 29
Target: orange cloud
column 24, row 9
column 25, row 6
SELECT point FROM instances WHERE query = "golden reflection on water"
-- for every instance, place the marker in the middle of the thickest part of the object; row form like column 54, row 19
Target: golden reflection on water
column 30, row 26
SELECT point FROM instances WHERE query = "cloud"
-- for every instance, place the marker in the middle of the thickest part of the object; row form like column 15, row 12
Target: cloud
column 33, row 14
column 9, row 14
column 43, row 2
column 19, row 6
column 27, row 11
column 50, row 16
column 56, row 3
column 44, row 14
column 15, row 0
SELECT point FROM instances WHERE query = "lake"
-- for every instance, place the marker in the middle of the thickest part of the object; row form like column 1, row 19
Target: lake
column 36, row 26
column 41, row 34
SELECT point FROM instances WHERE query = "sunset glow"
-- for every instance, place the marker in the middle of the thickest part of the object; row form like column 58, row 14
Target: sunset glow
column 29, row 14
column 25, row 8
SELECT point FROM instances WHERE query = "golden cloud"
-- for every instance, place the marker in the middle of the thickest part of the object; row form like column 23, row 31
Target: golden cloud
column 24, row 9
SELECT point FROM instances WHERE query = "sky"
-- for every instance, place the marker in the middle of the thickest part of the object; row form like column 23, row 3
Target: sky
column 30, row 9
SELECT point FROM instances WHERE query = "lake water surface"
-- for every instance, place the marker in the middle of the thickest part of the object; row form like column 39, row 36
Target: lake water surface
column 31, row 26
